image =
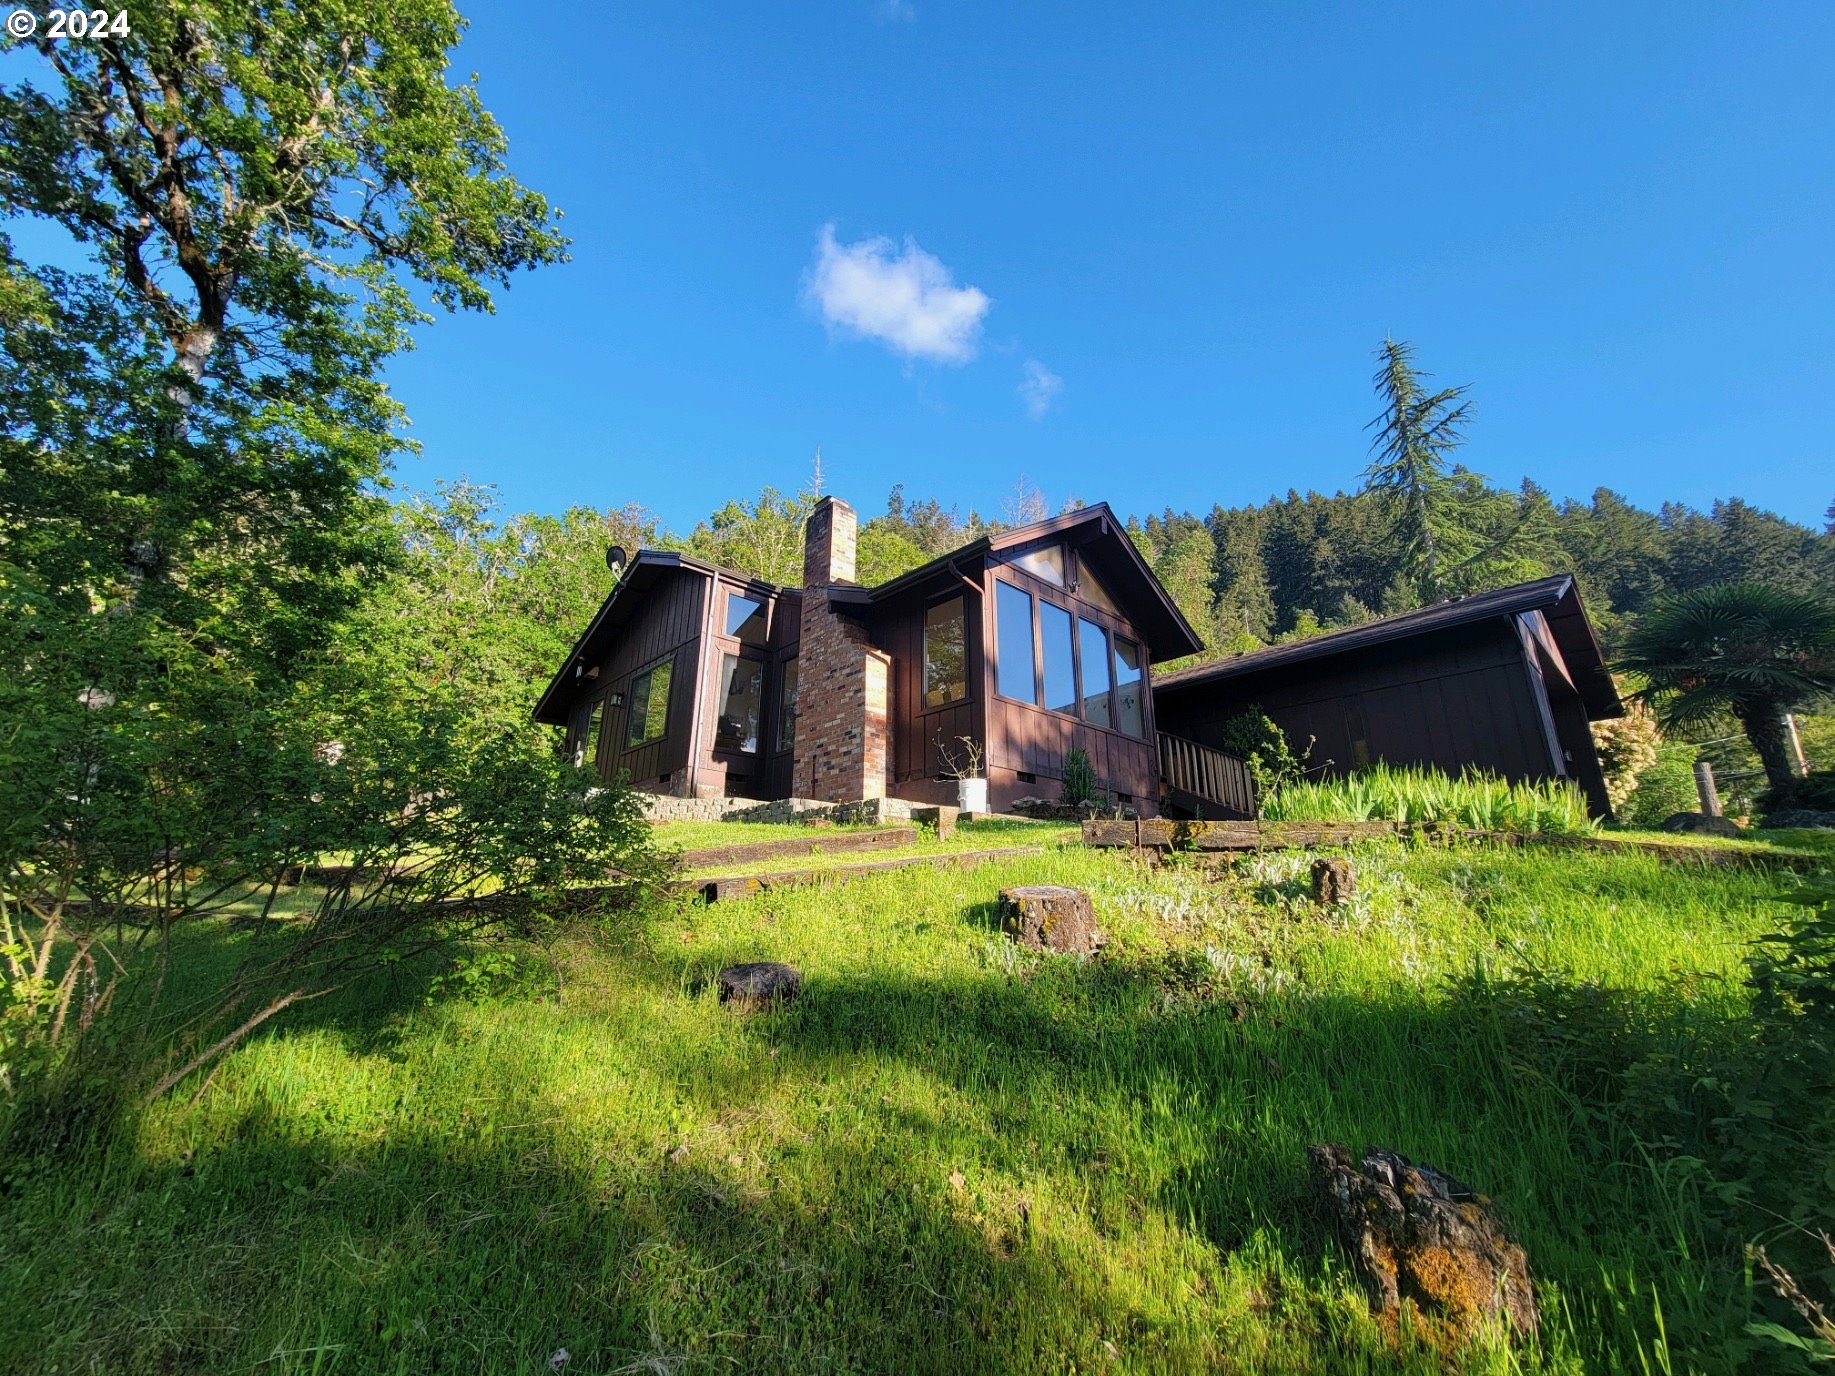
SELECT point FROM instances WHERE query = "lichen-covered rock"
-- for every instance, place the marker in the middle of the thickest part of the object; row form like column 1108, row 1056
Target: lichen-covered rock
column 758, row 984
column 1049, row 917
column 1701, row 824
column 1334, row 881
column 1420, row 1237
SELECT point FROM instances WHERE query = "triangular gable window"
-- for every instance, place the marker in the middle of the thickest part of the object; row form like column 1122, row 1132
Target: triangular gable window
column 1091, row 590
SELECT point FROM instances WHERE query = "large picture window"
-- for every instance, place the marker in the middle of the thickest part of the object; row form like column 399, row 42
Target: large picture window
column 1093, row 660
column 786, row 714
column 1130, row 691
column 745, row 619
column 1015, row 674
column 742, row 693
column 1060, row 670
column 649, row 706
column 945, row 654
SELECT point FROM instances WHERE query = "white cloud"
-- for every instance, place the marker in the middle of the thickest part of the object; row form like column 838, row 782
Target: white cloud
column 896, row 12
column 903, row 297
column 1039, row 388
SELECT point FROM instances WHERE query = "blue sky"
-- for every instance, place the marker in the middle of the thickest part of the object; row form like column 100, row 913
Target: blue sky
column 1154, row 249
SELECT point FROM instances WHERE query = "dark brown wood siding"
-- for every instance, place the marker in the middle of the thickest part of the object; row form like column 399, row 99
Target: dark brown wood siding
column 1467, row 698
column 665, row 628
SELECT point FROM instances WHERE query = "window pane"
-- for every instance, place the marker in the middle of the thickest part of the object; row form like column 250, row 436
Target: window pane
column 649, row 706
column 945, row 654
column 1093, row 652
column 1129, row 692
column 1090, row 588
column 1054, row 644
column 588, row 753
column 1046, row 562
column 742, row 692
column 1013, row 669
column 786, row 714
column 745, row 619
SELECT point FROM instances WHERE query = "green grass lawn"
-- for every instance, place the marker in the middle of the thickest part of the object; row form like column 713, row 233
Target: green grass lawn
column 699, row 835
column 947, row 1156
column 991, row 834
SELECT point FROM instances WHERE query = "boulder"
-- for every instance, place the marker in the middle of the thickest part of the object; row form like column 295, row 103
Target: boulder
column 758, row 984
column 1334, row 882
column 1701, row 824
column 1418, row 1236
column 1049, row 917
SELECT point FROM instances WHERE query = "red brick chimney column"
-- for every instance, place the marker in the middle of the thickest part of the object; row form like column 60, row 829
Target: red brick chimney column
column 843, row 683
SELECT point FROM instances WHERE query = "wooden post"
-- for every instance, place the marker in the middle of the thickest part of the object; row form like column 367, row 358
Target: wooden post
column 1796, row 744
column 1704, row 785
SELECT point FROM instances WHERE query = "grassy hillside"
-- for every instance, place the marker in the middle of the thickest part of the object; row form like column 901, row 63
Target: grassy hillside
column 949, row 1156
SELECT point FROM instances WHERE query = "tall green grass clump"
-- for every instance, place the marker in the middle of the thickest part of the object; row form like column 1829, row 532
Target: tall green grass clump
column 1406, row 794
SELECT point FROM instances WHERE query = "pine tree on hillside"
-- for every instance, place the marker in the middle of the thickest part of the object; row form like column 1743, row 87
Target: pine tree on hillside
column 1417, row 432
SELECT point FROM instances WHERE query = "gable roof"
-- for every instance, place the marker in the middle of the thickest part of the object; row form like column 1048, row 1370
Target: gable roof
column 646, row 569
column 1557, row 598
column 1152, row 612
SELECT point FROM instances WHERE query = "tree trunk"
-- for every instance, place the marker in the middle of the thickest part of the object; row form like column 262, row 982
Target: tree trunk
column 1764, row 727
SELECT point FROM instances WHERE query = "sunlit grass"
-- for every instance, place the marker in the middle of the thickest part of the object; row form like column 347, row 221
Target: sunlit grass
column 948, row 1156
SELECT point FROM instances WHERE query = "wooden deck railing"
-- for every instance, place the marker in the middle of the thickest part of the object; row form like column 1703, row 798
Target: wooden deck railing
column 1208, row 777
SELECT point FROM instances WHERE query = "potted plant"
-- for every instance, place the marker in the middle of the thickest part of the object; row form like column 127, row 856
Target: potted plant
column 964, row 765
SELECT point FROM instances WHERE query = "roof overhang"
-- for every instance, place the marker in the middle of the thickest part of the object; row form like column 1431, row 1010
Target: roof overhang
column 1556, row 598
column 648, row 568
column 1098, row 537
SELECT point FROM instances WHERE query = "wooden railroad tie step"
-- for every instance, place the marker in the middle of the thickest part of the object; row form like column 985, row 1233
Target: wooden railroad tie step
column 740, row 885
column 816, row 843
column 1224, row 838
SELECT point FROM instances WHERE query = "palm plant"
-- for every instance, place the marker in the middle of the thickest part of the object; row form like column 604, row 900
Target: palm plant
column 1746, row 649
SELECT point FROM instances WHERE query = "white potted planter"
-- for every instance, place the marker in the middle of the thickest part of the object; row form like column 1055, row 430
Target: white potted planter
column 972, row 795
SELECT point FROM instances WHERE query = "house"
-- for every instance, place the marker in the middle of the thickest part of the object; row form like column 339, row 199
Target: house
column 698, row 681
column 1503, row 681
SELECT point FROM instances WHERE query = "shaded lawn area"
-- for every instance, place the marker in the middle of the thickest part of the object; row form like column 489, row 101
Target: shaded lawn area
column 948, row 1156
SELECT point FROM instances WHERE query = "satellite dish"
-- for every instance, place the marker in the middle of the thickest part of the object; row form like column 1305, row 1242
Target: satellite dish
column 615, row 560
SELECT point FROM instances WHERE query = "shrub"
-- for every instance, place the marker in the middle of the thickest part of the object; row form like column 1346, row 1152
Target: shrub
column 1664, row 789
column 1080, row 783
column 1253, row 738
column 1627, row 746
column 1815, row 791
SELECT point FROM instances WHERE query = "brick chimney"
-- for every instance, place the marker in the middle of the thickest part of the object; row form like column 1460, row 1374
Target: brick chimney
column 843, row 683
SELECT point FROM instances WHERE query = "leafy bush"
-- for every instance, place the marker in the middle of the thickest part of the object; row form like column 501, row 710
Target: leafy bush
column 1407, row 794
column 1627, row 746
column 1080, row 782
column 1815, row 791
column 1254, row 738
column 1664, row 789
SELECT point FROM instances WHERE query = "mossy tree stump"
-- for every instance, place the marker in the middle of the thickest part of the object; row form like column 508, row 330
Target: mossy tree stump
column 1334, row 882
column 1049, row 917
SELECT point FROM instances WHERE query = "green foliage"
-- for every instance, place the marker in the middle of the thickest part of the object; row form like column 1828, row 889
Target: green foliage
column 1253, row 738
column 1080, row 782
column 1815, row 790
column 1744, row 649
column 1627, row 747
column 1396, row 794
column 1664, row 788
column 1032, row 1139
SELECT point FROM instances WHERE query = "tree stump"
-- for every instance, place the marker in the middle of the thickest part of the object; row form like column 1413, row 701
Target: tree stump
column 758, row 985
column 1418, row 1236
column 1334, row 882
column 1049, row 917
